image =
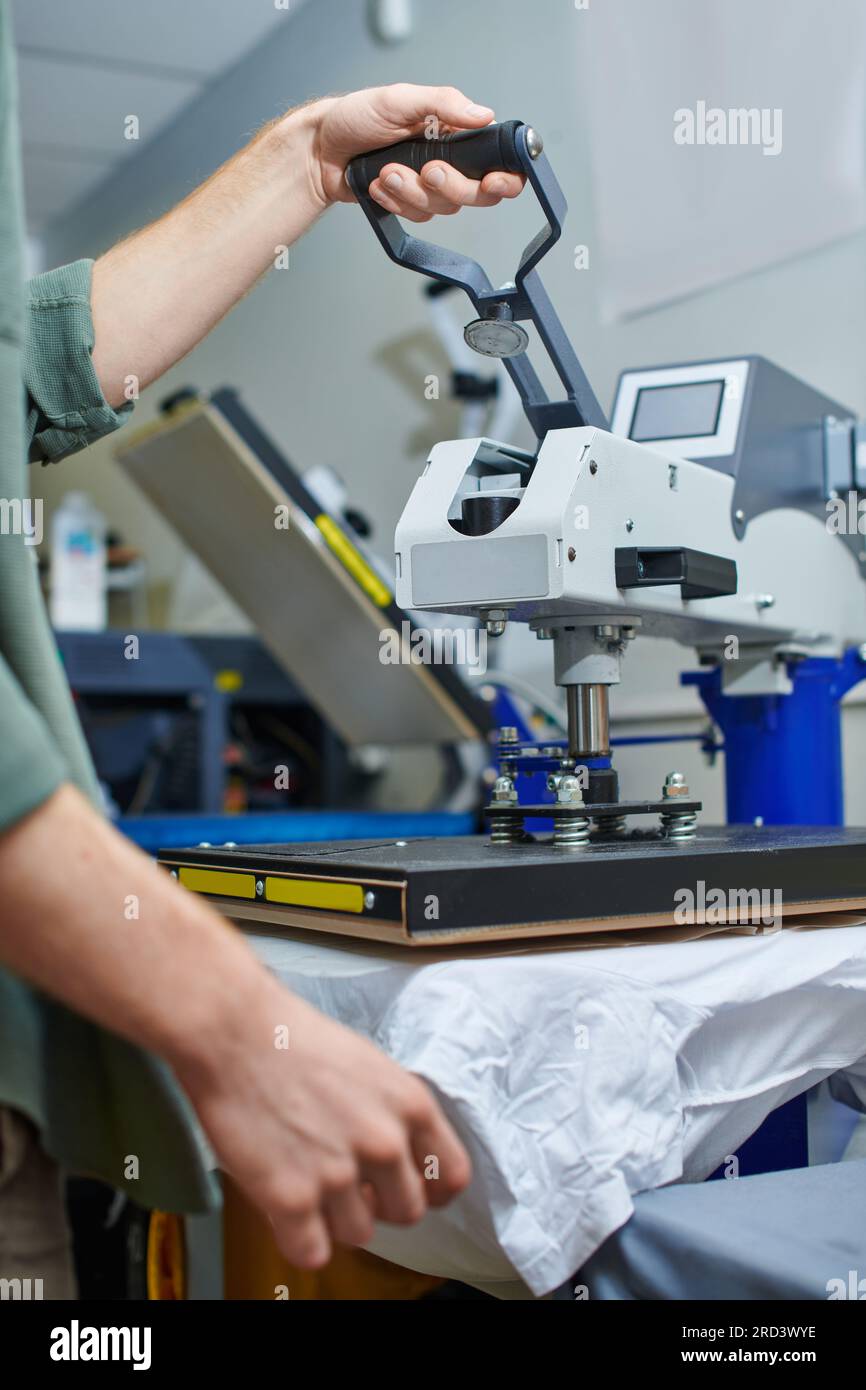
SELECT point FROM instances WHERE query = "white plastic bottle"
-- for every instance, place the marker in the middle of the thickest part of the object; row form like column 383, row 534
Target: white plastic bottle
column 78, row 600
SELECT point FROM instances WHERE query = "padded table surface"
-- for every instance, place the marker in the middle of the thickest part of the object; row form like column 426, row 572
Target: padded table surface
column 579, row 1075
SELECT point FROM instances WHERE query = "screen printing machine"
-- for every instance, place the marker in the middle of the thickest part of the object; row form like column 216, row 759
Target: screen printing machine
column 588, row 1040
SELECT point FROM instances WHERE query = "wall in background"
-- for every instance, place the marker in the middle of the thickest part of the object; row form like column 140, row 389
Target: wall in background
column 331, row 354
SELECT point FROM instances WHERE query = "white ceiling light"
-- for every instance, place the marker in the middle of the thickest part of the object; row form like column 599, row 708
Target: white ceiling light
column 391, row 20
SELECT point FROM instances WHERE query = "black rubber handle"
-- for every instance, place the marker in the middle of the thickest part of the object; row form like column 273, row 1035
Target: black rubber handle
column 472, row 152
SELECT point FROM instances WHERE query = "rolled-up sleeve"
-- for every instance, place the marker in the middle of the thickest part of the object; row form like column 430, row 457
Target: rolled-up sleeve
column 65, row 405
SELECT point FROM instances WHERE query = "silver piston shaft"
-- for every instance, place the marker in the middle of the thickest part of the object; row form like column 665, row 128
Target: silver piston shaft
column 588, row 721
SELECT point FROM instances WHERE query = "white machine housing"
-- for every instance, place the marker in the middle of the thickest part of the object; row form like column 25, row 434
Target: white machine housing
column 591, row 492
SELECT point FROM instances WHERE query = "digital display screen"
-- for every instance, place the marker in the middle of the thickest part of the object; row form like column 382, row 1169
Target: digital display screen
column 688, row 411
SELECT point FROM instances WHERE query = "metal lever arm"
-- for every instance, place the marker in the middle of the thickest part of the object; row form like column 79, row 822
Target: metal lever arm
column 515, row 148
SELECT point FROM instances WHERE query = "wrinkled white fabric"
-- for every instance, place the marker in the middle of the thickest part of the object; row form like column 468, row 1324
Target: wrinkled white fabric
column 578, row 1077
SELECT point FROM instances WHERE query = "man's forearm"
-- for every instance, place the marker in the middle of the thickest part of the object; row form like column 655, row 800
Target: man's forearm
column 93, row 922
column 162, row 290
column 323, row 1134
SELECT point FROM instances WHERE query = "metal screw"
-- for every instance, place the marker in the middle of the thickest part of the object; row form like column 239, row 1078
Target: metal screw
column 369, row 901
column 568, row 790
column 260, row 888
column 504, row 790
column 174, row 873
column 629, row 525
column 765, row 601
column 605, row 632
column 504, row 830
column 675, row 785
column 495, row 619
column 739, row 515
column 677, row 825
column 509, row 734
column 593, row 467
column 534, row 143
column 572, row 553
column 204, row 844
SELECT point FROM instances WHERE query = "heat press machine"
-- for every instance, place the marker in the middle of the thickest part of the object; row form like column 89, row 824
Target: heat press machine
column 700, row 513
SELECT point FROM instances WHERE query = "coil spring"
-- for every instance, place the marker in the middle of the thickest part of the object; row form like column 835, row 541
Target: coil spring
column 679, row 825
column 571, row 832
column 505, row 830
column 611, row 825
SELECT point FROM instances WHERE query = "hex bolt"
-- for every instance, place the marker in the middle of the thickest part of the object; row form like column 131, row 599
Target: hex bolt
column 568, row 792
column 677, row 825
column 504, row 829
column 675, row 785
column 495, row 620
column 504, row 790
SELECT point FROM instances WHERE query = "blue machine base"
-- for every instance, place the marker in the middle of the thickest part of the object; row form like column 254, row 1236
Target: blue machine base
column 783, row 766
column 152, row 833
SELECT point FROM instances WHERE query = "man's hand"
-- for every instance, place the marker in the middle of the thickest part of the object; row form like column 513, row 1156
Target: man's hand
column 322, row 1131
column 351, row 125
column 319, row 1129
column 158, row 293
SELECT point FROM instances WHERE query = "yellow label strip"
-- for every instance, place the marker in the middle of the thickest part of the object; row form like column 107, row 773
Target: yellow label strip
column 352, row 560
column 309, row 892
column 218, row 883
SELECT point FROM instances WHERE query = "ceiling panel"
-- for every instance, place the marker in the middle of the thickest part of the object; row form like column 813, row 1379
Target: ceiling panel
column 195, row 36
column 85, row 65
column 63, row 108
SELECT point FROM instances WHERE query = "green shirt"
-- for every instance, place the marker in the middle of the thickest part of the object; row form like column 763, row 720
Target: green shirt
column 97, row 1099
